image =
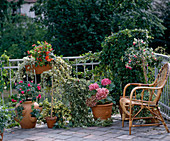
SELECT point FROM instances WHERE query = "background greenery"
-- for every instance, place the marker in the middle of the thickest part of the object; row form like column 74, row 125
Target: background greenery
column 74, row 27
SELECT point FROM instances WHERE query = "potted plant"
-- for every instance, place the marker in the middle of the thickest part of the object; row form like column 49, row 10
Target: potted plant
column 5, row 117
column 40, row 57
column 100, row 100
column 27, row 108
column 59, row 110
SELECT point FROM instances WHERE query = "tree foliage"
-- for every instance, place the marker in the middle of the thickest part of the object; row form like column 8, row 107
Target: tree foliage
column 79, row 26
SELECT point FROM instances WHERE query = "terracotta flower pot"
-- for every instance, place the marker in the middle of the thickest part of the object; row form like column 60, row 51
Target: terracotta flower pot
column 27, row 121
column 1, row 134
column 102, row 111
column 38, row 69
column 51, row 121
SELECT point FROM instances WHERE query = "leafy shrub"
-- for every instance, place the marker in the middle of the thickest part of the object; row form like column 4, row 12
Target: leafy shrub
column 112, row 63
column 76, row 92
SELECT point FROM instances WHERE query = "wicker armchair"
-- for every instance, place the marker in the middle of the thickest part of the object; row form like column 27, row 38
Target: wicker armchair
column 154, row 90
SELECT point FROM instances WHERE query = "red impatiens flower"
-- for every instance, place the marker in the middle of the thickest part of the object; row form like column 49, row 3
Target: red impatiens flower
column 28, row 52
column 33, row 45
column 47, row 52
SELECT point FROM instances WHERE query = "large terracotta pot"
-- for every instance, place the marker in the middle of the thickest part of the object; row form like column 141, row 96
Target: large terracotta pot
column 1, row 134
column 102, row 111
column 27, row 121
column 38, row 69
column 51, row 121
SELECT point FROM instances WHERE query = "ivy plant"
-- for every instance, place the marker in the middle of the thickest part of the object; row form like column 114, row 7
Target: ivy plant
column 76, row 92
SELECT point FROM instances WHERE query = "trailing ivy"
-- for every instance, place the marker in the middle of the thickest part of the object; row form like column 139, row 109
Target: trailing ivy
column 76, row 92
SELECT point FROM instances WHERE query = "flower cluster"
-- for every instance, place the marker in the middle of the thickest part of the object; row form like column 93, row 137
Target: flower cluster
column 99, row 93
column 27, row 91
column 139, row 54
column 42, row 53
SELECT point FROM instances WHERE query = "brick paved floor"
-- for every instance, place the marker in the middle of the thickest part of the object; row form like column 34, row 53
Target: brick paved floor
column 111, row 133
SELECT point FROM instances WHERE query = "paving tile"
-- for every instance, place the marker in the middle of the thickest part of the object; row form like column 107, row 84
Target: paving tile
column 99, row 133
column 114, row 139
column 166, row 138
column 74, row 139
column 95, row 137
column 156, row 136
column 126, row 137
column 77, row 134
column 63, row 137
column 111, row 135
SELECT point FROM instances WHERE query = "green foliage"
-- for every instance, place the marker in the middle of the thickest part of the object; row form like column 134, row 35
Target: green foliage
column 6, row 115
column 112, row 63
column 19, row 114
column 61, row 111
column 161, row 9
column 76, row 26
column 79, row 26
column 19, row 36
column 4, row 73
column 76, row 92
column 35, row 112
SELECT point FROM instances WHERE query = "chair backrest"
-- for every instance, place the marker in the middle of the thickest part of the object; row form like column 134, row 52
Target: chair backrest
column 161, row 80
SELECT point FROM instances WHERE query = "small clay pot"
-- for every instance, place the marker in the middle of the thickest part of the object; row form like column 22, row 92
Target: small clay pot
column 51, row 121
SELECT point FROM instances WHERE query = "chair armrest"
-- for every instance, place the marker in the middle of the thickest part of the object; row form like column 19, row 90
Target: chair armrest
column 137, row 88
column 134, row 84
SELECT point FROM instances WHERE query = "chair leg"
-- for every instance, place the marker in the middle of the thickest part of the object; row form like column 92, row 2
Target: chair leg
column 123, row 118
column 130, row 125
column 162, row 120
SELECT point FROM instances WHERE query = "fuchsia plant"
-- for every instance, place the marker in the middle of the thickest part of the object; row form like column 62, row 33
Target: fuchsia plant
column 139, row 54
column 99, row 95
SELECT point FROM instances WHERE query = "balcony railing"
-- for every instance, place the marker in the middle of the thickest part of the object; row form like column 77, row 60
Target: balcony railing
column 165, row 98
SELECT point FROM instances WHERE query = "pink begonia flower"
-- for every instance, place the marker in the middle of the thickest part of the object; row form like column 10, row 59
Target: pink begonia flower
column 129, row 61
column 31, row 81
column 22, row 92
column 39, row 87
column 93, row 86
column 20, row 89
column 13, row 100
column 20, row 101
column 134, row 43
column 144, row 50
column 135, row 56
column 29, row 85
column 130, row 68
column 102, row 93
column 28, row 90
column 20, row 82
column 127, row 67
column 38, row 84
column 152, row 53
column 155, row 59
column 105, row 82
column 15, row 84
column 39, row 96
